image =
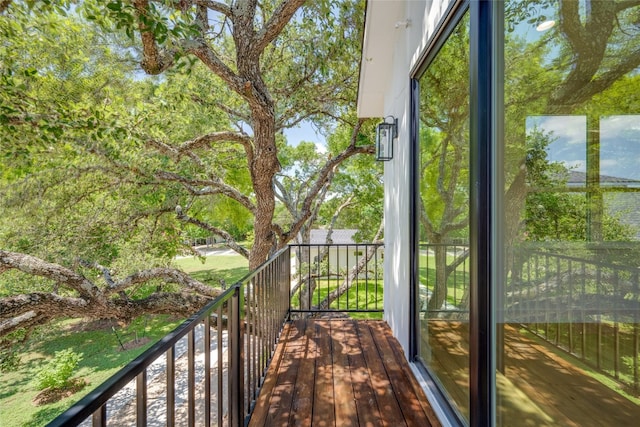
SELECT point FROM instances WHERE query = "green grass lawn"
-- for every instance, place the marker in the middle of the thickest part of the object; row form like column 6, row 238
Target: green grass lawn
column 102, row 353
column 229, row 268
column 364, row 294
column 102, row 357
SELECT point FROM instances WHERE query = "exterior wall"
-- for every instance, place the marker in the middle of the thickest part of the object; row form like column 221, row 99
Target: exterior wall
column 409, row 43
column 343, row 258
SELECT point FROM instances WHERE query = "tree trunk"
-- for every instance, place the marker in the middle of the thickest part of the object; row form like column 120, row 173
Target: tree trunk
column 263, row 168
column 439, row 291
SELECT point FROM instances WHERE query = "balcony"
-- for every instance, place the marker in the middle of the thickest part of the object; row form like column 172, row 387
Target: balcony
column 301, row 341
column 276, row 348
column 340, row 372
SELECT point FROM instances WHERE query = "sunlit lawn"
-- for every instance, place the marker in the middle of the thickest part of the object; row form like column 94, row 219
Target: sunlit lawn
column 101, row 347
column 229, row 268
column 457, row 282
column 363, row 294
column 102, row 353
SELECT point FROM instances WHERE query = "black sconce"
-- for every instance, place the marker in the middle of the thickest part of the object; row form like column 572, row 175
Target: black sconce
column 385, row 134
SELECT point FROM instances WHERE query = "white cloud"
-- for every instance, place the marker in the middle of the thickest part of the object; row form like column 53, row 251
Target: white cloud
column 566, row 129
column 321, row 148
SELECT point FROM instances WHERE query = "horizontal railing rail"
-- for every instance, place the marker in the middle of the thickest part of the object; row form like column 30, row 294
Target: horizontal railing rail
column 246, row 320
column 337, row 278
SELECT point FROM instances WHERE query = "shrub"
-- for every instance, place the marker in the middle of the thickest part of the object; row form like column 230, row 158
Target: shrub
column 9, row 360
column 57, row 373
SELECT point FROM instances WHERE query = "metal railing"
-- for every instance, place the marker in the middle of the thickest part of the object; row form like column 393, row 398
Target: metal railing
column 588, row 308
column 585, row 307
column 337, row 278
column 234, row 336
column 444, row 276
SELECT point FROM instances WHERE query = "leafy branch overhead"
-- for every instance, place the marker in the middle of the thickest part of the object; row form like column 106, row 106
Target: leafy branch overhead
column 252, row 49
column 128, row 126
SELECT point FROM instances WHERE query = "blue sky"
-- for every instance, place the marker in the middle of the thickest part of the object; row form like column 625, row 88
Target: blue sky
column 619, row 142
column 305, row 132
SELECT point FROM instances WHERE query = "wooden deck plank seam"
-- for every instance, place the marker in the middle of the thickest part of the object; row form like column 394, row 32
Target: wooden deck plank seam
column 303, row 396
column 285, row 386
column 394, row 370
column 368, row 389
column 390, row 405
column 270, row 380
column 410, row 378
column 324, row 374
column 346, row 409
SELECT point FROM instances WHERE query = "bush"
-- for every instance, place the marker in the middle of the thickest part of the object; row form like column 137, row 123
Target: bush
column 9, row 360
column 57, row 373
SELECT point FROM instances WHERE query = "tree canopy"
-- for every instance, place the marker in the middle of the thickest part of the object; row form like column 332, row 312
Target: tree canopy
column 129, row 125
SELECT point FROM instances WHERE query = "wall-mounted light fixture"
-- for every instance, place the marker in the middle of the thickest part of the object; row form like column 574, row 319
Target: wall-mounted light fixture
column 385, row 134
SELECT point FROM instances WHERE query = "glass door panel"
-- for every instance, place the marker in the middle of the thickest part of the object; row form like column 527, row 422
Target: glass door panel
column 443, row 211
column 568, row 331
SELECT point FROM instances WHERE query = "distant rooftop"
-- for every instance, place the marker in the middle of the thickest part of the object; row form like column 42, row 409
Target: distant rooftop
column 339, row 236
column 575, row 177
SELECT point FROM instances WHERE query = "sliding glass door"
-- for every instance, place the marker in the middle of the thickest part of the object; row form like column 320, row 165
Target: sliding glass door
column 527, row 213
column 443, row 213
column 568, row 346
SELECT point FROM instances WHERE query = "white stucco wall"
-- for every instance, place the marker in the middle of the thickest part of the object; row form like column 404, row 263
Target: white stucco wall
column 386, row 92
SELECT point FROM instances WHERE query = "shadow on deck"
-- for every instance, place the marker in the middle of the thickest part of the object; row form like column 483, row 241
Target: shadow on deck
column 340, row 372
column 537, row 385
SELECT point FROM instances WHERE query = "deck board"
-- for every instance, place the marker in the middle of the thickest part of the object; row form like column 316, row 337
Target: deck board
column 302, row 405
column 387, row 403
column 340, row 372
column 536, row 388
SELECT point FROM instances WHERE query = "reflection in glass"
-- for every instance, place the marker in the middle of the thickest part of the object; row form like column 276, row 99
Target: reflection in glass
column 443, row 288
column 569, row 337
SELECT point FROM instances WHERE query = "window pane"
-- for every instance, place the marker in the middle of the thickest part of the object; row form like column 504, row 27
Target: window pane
column 444, row 214
column 568, row 325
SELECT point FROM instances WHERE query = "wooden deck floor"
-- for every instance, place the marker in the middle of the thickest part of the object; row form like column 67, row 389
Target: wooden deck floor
column 537, row 387
column 340, row 373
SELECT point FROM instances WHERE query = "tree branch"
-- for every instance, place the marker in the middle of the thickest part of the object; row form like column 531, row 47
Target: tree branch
column 168, row 275
column 209, row 58
column 26, row 311
column 233, row 113
column 4, row 4
column 209, row 188
column 329, row 167
column 154, row 61
column 215, row 6
column 280, row 18
column 59, row 274
column 229, row 240
column 33, row 309
column 204, row 140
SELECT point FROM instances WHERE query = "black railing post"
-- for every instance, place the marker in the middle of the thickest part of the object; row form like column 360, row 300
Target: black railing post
column 171, row 390
column 99, row 417
column 220, row 366
column 236, row 369
column 207, row 370
column 141, row 398
column 191, row 379
column 287, row 273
